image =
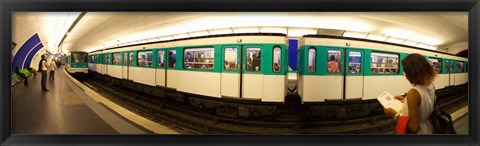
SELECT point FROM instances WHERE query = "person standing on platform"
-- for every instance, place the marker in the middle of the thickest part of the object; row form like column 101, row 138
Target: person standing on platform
column 52, row 68
column 420, row 100
column 44, row 66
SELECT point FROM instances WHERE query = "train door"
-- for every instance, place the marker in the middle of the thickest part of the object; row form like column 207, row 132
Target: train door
column 160, row 72
column 231, row 72
column 354, row 74
column 171, row 72
column 335, row 74
column 251, row 77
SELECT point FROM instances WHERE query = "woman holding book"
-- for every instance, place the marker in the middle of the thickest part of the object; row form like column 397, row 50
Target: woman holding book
column 420, row 99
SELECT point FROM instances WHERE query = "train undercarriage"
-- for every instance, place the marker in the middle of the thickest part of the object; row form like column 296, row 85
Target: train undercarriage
column 291, row 110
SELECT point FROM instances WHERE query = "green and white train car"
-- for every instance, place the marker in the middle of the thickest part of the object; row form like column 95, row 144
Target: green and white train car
column 246, row 67
column 366, row 69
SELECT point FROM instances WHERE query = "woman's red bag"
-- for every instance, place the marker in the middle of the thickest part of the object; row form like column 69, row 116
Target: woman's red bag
column 402, row 127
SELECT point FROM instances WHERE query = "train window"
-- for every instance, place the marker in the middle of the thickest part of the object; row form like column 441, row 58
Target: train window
column 130, row 59
column 277, row 56
column 451, row 67
column 116, row 58
column 384, row 63
column 230, row 59
column 107, row 58
column 161, row 58
column 460, row 66
column 355, row 62
column 436, row 63
column 253, row 59
column 446, row 66
column 334, row 61
column 80, row 57
column 172, row 58
column 125, row 58
column 312, row 60
column 144, row 58
column 199, row 58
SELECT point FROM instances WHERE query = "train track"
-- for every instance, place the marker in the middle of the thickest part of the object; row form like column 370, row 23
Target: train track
column 187, row 120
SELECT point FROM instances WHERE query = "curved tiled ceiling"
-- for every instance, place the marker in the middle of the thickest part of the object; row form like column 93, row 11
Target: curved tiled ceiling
column 96, row 29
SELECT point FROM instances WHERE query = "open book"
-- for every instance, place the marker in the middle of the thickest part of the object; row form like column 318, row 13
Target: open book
column 388, row 101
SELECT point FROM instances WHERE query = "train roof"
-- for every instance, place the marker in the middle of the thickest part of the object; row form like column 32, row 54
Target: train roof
column 380, row 42
column 199, row 37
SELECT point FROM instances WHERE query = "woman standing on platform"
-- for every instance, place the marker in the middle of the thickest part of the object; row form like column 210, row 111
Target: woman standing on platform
column 420, row 99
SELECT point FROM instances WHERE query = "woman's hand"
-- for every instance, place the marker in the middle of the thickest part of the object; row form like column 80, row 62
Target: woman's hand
column 401, row 98
column 389, row 112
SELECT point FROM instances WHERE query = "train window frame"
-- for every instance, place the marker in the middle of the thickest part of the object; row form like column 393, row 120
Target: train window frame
column 163, row 60
column 340, row 71
column 207, row 64
column 145, row 59
column 314, row 61
column 235, row 68
column 113, row 60
column 359, row 64
column 441, row 63
column 279, row 59
column 391, row 53
column 458, row 68
column 253, row 69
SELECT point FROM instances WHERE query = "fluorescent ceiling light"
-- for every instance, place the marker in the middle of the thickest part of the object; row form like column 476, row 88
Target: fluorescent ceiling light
column 410, row 43
column 421, row 45
column 181, row 36
column 166, row 38
column 405, row 34
column 432, row 47
column 273, row 30
column 395, row 40
column 352, row 34
column 246, row 30
column 376, row 37
column 199, row 33
column 221, row 31
column 298, row 32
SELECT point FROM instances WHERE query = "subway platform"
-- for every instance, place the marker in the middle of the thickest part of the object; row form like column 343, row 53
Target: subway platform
column 71, row 108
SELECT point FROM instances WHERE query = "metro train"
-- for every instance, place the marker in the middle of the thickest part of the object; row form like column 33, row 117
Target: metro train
column 77, row 62
column 245, row 75
column 366, row 69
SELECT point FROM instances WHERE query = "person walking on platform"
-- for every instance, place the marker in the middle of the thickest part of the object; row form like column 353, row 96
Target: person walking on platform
column 43, row 67
column 52, row 68
column 22, row 75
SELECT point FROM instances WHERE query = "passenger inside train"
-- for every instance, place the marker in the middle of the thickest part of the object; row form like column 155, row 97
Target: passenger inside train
column 276, row 67
column 333, row 65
